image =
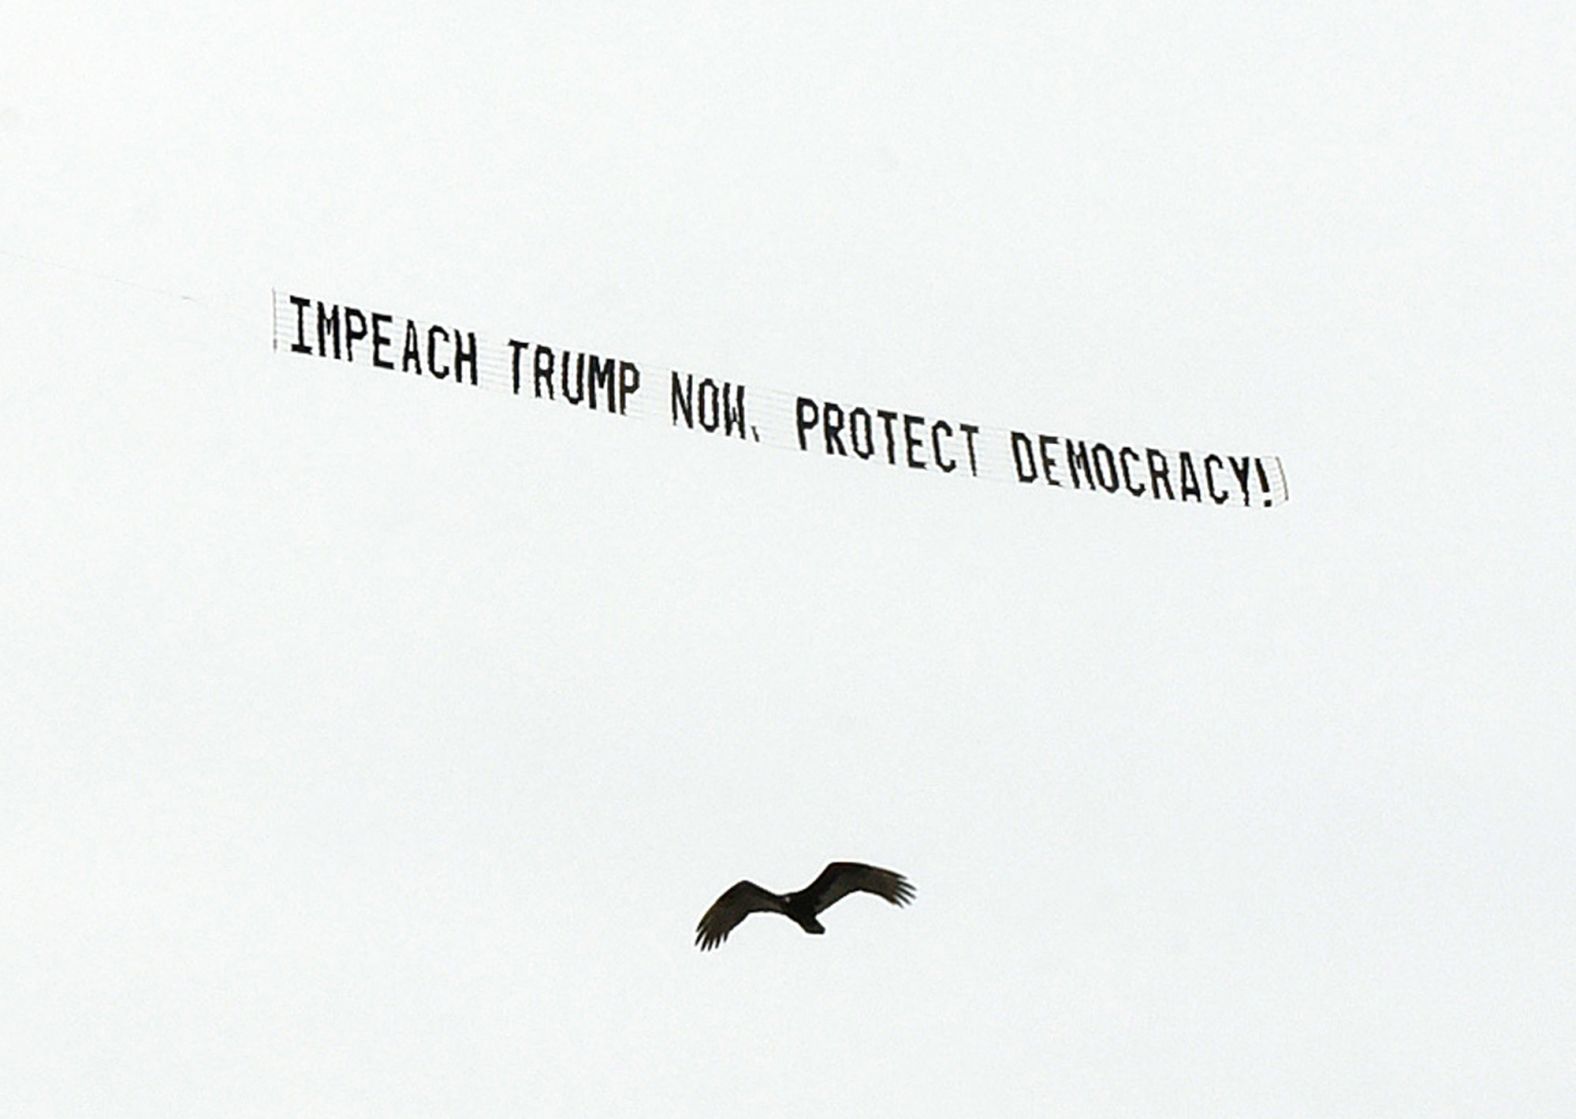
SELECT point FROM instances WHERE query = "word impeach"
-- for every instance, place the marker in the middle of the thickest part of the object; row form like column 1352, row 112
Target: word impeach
column 888, row 438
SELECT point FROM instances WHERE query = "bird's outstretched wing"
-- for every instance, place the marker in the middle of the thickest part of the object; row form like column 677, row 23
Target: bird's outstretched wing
column 841, row 879
column 736, row 903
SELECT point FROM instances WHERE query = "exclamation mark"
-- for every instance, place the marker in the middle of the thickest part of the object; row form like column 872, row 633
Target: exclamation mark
column 1264, row 481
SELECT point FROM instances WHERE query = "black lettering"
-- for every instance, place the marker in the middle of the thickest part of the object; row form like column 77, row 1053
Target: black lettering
column 1104, row 469
column 719, row 406
column 580, row 378
column 1264, row 481
column 683, row 399
column 1189, row 477
column 1159, row 471
column 412, row 353
column 946, row 465
column 379, row 339
column 433, row 367
column 1127, row 474
column 970, row 431
column 716, row 408
column 832, row 428
column 542, row 372
column 516, row 349
column 807, row 416
column 602, row 376
column 1078, row 459
column 1239, row 467
column 1220, row 497
column 887, row 418
column 327, row 325
column 855, row 418
column 355, row 328
column 733, row 410
column 628, row 383
column 299, row 346
column 909, row 423
column 1023, row 457
column 1048, row 458
column 465, row 357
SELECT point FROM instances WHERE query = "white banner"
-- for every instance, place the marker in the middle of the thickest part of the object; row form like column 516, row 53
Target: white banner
column 859, row 431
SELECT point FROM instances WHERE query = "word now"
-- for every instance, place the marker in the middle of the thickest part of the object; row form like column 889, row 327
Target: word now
column 717, row 407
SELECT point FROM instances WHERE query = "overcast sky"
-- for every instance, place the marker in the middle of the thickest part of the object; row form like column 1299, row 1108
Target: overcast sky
column 372, row 747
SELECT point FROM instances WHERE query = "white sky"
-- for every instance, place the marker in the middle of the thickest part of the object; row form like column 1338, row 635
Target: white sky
column 372, row 749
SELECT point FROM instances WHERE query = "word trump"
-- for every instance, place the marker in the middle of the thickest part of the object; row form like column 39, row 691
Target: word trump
column 576, row 377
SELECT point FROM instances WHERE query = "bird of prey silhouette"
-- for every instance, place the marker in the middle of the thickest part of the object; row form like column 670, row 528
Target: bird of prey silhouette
column 836, row 881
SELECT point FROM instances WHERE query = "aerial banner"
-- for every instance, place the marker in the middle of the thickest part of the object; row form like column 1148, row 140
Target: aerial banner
column 545, row 374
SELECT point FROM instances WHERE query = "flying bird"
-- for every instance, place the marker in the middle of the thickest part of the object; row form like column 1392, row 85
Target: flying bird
column 836, row 881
